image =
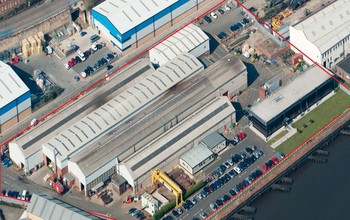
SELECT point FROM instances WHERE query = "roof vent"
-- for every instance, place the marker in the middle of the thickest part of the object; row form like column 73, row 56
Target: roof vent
column 278, row 98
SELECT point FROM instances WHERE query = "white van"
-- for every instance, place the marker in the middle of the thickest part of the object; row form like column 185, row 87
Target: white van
column 24, row 195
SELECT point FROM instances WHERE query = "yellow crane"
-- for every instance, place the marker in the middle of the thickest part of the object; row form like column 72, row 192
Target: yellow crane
column 159, row 176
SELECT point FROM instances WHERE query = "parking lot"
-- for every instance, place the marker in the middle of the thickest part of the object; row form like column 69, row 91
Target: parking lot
column 203, row 204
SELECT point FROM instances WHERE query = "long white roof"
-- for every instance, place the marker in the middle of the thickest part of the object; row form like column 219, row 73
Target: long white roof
column 283, row 98
column 328, row 26
column 184, row 40
column 11, row 86
column 97, row 123
column 127, row 14
column 192, row 127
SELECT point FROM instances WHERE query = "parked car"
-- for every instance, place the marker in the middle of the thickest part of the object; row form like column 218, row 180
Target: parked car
column 249, row 150
column 93, row 47
column 77, row 59
column 76, row 78
column 221, row 11
column 234, row 28
column 227, row 8
column 193, row 200
column 81, row 55
column 281, row 155
column 207, row 19
column 213, row 206
column 222, row 35
column 245, row 21
column 274, row 160
column 83, row 33
column 203, row 215
column 214, row 15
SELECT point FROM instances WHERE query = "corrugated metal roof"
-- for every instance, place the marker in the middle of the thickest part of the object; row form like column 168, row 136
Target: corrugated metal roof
column 196, row 155
column 184, row 40
column 80, row 134
column 11, row 85
column 127, row 14
column 48, row 208
column 328, row 26
column 179, row 136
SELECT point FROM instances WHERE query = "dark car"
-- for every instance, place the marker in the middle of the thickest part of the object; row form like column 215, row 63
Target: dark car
column 221, row 11
column 226, row 198
column 77, row 59
column 249, row 150
column 83, row 33
column 234, row 28
column 239, row 25
column 219, row 202
column 175, row 213
column 207, row 19
column 87, row 53
column 222, row 35
column 252, row 9
column 245, row 21
column 232, row 192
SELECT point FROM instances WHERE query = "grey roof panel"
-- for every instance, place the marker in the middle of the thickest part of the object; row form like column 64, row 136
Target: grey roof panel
column 126, row 104
column 213, row 140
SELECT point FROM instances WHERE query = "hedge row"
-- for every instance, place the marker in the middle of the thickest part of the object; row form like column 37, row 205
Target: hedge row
column 166, row 208
column 194, row 188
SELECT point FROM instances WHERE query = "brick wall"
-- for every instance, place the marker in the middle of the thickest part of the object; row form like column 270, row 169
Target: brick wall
column 8, row 5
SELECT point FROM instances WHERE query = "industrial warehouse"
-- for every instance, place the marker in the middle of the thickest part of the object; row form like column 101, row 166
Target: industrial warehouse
column 293, row 99
column 324, row 37
column 79, row 151
column 190, row 39
column 128, row 24
column 15, row 98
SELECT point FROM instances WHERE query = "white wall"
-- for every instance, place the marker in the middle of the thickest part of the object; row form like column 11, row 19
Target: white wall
column 298, row 39
column 200, row 49
column 75, row 170
column 16, row 153
column 50, row 154
column 124, row 172
column 33, row 160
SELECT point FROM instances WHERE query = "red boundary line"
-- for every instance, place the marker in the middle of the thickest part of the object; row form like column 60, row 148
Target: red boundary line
column 147, row 50
column 111, row 74
column 100, row 215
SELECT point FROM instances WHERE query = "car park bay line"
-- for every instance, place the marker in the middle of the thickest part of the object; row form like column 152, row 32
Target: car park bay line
column 282, row 37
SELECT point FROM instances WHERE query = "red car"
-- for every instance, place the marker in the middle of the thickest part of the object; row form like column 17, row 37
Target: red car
column 241, row 135
column 274, row 160
column 264, row 167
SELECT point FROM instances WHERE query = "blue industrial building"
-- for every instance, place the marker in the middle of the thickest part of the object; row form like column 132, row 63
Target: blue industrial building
column 15, row 98
column 130, row 23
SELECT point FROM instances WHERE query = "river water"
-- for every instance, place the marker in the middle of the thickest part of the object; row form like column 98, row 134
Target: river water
column 319, row 191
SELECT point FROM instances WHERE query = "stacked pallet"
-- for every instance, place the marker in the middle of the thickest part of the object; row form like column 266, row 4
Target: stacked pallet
column 39, row 47
column 26, row 48
column 33, row 45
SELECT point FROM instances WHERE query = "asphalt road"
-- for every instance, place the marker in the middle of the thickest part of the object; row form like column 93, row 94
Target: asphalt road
column 33, row 16
column 252, row 139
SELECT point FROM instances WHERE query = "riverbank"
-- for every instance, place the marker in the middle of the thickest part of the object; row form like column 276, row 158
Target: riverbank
column 319, row 191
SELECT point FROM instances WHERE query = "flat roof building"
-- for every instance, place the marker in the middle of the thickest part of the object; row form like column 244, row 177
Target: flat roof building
column 196, row 159
column 289, row 101
column 15, row 98
column 343, row 69
column 128, row 24
column 325, row 35
column 215, row 142
column 190, row 39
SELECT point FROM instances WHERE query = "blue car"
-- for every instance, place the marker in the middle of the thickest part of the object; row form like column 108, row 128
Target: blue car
column 234, row 28
column 239, row 25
